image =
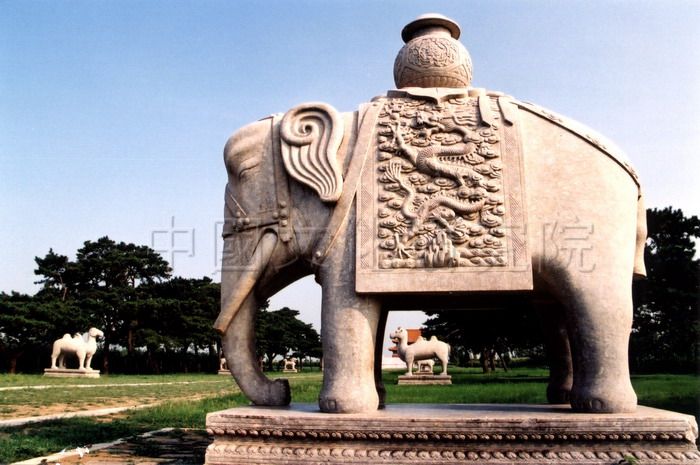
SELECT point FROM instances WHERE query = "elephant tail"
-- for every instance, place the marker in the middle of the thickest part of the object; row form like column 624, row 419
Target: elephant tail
column 640, row 271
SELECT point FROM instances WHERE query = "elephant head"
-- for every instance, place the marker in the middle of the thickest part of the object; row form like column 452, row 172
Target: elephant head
column 273, row 230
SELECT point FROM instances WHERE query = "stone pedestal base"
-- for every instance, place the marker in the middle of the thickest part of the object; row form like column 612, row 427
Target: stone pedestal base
column 425, row 379
column 450, row 434
column 70, row 373
column 289, row 370
column 225, row 372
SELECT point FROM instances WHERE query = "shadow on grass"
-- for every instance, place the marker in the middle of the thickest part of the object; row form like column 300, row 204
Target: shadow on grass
column 38, row 439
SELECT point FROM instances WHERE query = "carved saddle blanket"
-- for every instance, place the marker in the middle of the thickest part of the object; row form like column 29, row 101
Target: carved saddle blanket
column 441, row 205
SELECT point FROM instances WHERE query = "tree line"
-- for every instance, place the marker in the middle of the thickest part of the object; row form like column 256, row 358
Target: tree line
column 152, row 322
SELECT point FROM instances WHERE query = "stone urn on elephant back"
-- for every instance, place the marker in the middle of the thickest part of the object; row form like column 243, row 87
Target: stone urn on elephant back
column 435, row 195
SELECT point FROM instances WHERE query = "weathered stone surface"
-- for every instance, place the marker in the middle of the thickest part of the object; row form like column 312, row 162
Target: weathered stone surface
column 71, row 373
column 431, row 176
column 449, row 434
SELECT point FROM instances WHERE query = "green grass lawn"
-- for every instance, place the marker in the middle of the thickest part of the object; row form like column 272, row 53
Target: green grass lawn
column 105, row 392
column 520, row 385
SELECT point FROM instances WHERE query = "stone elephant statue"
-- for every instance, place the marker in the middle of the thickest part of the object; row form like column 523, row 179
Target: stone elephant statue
column 436, row 195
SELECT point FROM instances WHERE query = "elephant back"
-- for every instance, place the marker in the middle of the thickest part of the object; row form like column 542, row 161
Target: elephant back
column 605, row 145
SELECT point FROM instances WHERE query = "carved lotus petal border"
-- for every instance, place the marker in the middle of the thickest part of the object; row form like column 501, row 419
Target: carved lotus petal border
column 219, row 453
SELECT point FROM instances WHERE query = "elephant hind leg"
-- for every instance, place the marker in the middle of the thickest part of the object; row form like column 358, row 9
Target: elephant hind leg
column 561, row 375
column 599, row 323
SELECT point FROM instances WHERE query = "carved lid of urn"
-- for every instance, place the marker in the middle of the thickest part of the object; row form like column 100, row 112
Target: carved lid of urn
column 432, row 56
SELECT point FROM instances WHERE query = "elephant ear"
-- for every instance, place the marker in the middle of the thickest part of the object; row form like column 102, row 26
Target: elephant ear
column 310, row 135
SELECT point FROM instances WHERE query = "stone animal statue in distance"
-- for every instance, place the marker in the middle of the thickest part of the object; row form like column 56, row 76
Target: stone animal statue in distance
column 421, row 349
column 418, row 200
column 82, row 346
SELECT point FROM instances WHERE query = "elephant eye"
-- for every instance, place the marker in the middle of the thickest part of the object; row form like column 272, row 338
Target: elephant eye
column 247, row 165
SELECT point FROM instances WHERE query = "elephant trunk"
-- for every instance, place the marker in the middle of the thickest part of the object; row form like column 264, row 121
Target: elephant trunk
column 242, row 285
column 239, row 349
column 236, row 321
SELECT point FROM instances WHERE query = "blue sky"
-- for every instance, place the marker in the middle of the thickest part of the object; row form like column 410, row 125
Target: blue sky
column 113, row 114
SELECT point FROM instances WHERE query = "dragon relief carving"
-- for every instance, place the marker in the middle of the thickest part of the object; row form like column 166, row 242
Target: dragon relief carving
column 441, row 201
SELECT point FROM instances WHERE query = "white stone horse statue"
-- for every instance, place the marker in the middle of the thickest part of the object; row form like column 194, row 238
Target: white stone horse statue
column 83, row 346
column 422, row 349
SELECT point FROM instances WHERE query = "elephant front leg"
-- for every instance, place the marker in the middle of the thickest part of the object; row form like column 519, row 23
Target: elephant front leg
column 349, row 331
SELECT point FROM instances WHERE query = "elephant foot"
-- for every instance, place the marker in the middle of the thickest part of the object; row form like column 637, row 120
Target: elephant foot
column 604, row 399
column 351, row 399
column 274, row 394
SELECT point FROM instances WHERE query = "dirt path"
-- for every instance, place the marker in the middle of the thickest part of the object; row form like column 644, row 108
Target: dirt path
column 81, row 413
column 60, row 411
column 28, row 413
